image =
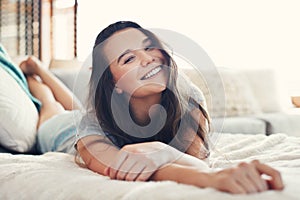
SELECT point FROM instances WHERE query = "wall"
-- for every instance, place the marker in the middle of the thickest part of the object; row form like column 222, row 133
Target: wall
column 234, row 33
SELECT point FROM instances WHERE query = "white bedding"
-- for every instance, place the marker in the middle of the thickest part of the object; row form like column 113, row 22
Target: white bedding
column 56, row 176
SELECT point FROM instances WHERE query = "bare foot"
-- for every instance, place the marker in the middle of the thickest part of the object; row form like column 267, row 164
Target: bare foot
column 31, row 66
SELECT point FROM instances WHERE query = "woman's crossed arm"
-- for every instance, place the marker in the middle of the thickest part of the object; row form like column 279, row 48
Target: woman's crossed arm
column 158, row 161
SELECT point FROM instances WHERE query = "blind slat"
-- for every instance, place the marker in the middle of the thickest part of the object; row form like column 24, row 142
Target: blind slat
column 20, row 27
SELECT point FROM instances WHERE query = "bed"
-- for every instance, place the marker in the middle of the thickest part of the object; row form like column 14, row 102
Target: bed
column 55, row 175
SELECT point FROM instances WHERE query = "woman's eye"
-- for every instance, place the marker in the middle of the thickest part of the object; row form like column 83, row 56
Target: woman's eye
column 149, row 48
column 129, row 59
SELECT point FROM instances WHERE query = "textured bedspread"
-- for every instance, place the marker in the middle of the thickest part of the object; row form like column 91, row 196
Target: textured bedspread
column 56, row 176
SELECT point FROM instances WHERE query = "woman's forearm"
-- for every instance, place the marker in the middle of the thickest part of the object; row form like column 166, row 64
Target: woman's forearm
column 96, row 155
column 94, row 150
column 182, row 174
column 191, row 161
column 185, row 173
column 99, row 156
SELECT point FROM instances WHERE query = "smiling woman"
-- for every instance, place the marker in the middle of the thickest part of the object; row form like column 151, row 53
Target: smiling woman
column 145, row 127
column 140, row 127
column 140, row 123
column 123, row 55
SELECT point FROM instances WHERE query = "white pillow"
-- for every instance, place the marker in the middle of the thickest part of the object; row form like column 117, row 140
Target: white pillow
column 18, row 118
column 232, row 96
column 264, row 83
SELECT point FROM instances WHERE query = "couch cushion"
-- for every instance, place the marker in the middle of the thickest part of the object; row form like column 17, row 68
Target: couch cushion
column 77, row 80
column 264, row 84
column 280, row 122
column 239, row 99
column 246, row 125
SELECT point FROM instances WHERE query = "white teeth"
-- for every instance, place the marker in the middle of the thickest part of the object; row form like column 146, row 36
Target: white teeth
column 152, row 73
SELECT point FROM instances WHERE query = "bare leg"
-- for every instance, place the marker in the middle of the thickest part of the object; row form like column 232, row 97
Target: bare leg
column 60, row 92
column 42, row 92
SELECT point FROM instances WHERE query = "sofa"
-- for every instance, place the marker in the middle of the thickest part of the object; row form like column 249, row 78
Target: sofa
column 251, row 101
column 254, row 102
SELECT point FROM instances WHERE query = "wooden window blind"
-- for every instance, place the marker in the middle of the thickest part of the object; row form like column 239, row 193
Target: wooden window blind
column 20, row 27
column 43, row 28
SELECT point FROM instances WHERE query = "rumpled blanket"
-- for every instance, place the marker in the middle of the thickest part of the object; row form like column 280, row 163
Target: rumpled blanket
column 56, row 176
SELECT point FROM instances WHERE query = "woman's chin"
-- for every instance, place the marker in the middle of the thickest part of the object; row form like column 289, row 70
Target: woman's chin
column 149, row 90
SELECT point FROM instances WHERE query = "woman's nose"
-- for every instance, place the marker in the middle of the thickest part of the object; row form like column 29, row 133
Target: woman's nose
column 145, row 58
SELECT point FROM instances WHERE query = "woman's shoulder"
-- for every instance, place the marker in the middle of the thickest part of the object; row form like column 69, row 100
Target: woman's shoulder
column 188, row 90
column 89, row 124
column 88, row 119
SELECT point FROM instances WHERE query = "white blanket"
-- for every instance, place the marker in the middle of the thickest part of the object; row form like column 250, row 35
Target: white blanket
column 56, row 176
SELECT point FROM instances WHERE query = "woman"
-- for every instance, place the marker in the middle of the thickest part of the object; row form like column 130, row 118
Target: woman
column 139, row 127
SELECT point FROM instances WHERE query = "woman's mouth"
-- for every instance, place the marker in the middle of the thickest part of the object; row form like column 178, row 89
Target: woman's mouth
column 152, row 73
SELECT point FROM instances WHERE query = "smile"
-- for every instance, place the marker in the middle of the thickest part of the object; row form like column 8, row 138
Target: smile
column 152, row 73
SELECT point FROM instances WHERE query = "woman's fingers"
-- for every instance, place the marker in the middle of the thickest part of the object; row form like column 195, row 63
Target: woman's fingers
column 241, row 175
column 146, row 173
column 115, row 166
column 246, row 178
column 136, row 168
column 276, row 181
column 139, row 161
column 247, row 184
column 259, row 183
column 135, row 172
column 131, row 167
column 235, row 188
column 226, row 180
column 126, row 168
column 251, row 177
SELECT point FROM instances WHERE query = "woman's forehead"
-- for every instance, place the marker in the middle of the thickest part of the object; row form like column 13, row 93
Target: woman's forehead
column 122, row 41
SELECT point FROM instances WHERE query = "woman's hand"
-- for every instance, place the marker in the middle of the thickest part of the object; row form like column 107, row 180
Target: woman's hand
column 247, row 178
column 137, row 162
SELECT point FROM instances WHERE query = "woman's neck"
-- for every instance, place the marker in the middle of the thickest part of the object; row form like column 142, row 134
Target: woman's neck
column 140, row 107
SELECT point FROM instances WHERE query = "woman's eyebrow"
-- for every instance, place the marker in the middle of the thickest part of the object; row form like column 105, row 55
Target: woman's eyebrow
column 123, row 54
column 128, row 50
column 146, row 40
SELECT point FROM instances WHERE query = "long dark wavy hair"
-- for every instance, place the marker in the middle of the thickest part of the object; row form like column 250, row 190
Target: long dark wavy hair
column 102, row 86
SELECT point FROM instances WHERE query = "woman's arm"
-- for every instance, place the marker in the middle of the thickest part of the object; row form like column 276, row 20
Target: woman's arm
column 125, row 164
column 96, row 153
column 242, row 179
column 100, row 155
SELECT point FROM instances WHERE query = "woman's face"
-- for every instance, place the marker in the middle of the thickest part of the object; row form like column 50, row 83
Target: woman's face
column 138, row 68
